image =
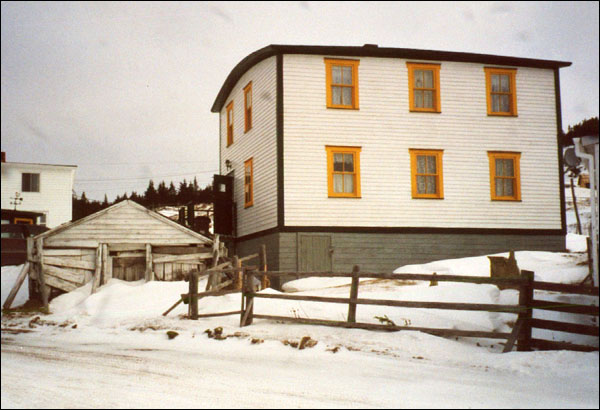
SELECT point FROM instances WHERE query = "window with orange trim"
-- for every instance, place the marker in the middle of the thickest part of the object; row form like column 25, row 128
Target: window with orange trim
column 501, row 89
column 229, row 111
column 343, row 171
column 505, row 176
column 248, row 183
column 342, row 83
column 248, row 107
column 426, row 173
column 424, row 87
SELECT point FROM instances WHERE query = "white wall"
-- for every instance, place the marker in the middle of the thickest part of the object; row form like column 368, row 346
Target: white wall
column 386, row 130
column 258, row 143
column 54, row 198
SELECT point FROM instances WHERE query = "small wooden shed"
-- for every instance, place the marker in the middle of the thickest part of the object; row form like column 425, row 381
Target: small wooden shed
column 125, row 241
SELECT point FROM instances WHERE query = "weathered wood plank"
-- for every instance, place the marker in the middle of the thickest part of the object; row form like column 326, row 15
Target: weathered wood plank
column 195, row 257
column 565, row 288
column 68, row 275
column 44, row 290
column 98, row 271
column 553, row 345
column 60, row 283
column 69, row 263
column 565, row 307
column 15, row 289
column 68, row 252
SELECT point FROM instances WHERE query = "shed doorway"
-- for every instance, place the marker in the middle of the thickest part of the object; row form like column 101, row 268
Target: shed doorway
column 314, row 253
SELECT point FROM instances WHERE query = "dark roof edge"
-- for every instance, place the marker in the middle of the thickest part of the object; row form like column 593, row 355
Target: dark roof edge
column 373, row 51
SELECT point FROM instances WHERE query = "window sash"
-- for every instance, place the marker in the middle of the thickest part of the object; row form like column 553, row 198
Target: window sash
column 424, row 87
column 230, row 124
column 248, row 183
column 342, row 83
column 426, row 170
column 505, row 176
column 501, row 91
column 248, row 107
column 30, row 182
column 343, row 165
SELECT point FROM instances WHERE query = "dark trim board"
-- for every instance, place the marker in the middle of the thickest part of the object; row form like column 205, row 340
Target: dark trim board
column 561, row 167
column 403, row 230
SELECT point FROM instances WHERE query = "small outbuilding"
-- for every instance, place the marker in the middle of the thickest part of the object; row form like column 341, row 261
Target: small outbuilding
column 125, row 241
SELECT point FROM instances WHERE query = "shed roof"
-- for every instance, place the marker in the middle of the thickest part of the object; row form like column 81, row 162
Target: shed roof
column 373, row 50
column 125, row 222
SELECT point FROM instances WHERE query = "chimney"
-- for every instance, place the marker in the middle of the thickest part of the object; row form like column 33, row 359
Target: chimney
column 3, row 156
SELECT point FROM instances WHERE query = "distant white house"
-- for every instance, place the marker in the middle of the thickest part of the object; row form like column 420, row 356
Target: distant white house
column 40, row 193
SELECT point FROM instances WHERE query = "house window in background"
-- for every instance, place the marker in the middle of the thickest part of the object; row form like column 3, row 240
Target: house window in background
column 230, row 124
column 30, row 182
column 248, row 183
column 248, row 107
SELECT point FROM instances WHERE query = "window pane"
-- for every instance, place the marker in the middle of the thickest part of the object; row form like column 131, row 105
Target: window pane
column 499, row 187
column 508, row 187
column 347, row 75
column 495, row 103
column 418, row 74
column 431, row 185
column 419, row 99
column 338, row 183
column 248, row 100
column 421, row 185
column 509, row 168
column 428, row 78
column 504, row 103
column 421, row 164
column 336, row 95
column 338, row 164
column 495, row 83
column 336, row 74
column 348, row 183
column 431, row 164
column 347, row 96
column 348, row 163
column 499, row 168
column 504, row 83
column 428, row 99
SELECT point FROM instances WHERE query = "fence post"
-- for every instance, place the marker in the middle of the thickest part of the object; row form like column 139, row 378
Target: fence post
column 353, row 295
column 247, row 291
column 265, row 282
column 193, row 296
column 525, row 301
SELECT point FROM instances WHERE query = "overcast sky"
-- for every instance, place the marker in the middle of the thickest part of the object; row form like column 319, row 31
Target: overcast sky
column 124, row 90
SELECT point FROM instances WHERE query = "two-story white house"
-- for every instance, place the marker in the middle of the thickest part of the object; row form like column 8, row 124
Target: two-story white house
column 387, row 156
column 45, row 193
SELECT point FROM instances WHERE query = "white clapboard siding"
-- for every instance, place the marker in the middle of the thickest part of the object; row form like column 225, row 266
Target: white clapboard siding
column 258, row 143
column 386, row 130
column 125, row 222
column 55, row 198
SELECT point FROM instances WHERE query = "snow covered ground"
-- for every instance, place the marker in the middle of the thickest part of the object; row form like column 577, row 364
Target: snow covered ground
column 111, row 349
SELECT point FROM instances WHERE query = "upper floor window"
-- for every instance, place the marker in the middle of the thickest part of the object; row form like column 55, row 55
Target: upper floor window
column 426, row 173
column 424, row 87
column 501, row 87
column 343, row 171
column 505, row 178
column 248, row 183
column 248, row 107
column 342, row 83
column 229, row 110
column 30, row 182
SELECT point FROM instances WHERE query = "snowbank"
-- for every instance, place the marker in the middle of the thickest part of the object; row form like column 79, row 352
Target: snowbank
column 9, row 277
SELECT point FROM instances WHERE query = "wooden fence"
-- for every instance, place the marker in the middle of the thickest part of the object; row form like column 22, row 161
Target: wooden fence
column 521, row 334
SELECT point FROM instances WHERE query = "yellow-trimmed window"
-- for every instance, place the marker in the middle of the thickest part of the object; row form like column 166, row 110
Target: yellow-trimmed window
column 229, row 111
column 424, row 87
column 342, row 83
column 343, row 171
column 248, row 183
column 427, row 173
column 248, row 107
column 501, row 88
column 505, row 176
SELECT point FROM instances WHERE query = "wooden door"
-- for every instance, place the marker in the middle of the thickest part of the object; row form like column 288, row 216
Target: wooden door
column 314, row 253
